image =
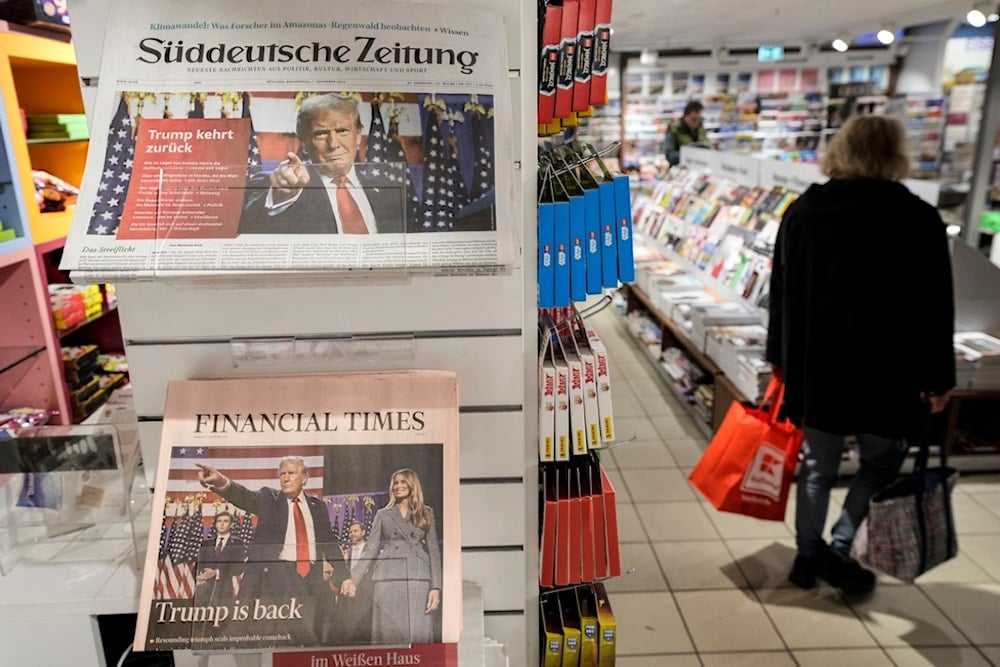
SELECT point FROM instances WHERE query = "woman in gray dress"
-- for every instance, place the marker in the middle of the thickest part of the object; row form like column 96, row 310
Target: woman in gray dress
column 407, row 570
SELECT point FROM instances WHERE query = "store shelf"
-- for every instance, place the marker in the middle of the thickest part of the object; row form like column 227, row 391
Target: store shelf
column 35, row 142
column 76, row 327
column 668, row 381
column 12, row 246
column 38, row 76
column 12, row 356
column 690, row 349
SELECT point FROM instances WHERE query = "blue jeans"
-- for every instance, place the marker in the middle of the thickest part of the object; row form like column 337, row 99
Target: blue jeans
column 881, row 459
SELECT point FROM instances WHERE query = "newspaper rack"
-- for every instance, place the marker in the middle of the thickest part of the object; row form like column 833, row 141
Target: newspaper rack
column 71, row 494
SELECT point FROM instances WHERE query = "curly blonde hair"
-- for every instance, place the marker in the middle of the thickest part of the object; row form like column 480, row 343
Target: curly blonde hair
column 868, row 147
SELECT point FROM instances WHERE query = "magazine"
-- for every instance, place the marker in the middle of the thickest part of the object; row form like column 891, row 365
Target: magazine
column 254, row 136
column 305, row 511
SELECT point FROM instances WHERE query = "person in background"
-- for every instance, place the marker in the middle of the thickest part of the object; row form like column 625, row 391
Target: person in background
column 407, row 571
column 357, row 610
column 220, row 560
column 860, row 331
column 685, row 132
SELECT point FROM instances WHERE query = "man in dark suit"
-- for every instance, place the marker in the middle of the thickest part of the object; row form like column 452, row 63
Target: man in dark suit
column 357, row 610
column 329, row 194
column 293, row 554
column 220, row 560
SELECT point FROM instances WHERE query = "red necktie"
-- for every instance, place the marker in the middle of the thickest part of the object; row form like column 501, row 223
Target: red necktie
column 351, row 220
column 301, row 540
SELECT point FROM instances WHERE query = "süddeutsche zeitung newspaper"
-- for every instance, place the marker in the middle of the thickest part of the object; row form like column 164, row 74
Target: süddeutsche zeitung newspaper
column 251, row 136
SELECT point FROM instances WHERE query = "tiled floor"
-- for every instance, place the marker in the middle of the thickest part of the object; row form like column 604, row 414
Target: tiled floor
column 706, row 588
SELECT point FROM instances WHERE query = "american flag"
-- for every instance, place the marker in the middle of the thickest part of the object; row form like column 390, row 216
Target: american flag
column 197, row 106
column 354, row 507
column 456, row 181
column 253, row 154
column 242, row 526
column 482, row 142
column 118, row 158
column 175, row 571
column 243, row 531
column 161, row 556
column 444, row 190
column 378, row 150
column 253, row 467
column 398, row 155
column 385, row 149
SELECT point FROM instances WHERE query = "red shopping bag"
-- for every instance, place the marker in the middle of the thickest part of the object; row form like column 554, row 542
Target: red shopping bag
column 748, row 466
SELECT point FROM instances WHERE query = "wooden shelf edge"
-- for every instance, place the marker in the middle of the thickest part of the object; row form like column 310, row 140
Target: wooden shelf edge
column 703, row 427
column 697, row 355
column 9, row 250
column 63, row 333
column 37, row 142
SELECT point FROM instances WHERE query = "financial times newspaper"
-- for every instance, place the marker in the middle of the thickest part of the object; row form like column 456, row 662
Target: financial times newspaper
column 258, row 136
column 372, row 457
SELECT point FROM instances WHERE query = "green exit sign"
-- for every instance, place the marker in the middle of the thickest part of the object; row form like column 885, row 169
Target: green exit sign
column 770, row 53
column 990, row 221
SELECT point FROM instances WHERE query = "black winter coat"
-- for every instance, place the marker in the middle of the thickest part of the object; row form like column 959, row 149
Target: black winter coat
column 861, row 307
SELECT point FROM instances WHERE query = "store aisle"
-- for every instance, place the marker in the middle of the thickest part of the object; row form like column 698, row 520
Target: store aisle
column 707, row 588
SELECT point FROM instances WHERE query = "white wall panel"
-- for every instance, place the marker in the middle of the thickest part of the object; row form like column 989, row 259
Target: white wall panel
column 513, row 630
column 490, row 445
column 492, row 514
column 157, row 311
column 489, row 369
column 496, row 572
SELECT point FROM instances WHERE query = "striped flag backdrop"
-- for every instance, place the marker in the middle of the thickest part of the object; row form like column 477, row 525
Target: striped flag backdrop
column 191, row 508
column 118, row 158
column 176, row 570
column 253, row 467
column 385, row 148
column 444, row 189
column 253, row 154
column 482, row 141
column 397, row 154
column 378, row 150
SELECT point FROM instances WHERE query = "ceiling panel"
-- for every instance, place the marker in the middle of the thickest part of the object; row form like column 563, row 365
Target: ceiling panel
column 670, row 24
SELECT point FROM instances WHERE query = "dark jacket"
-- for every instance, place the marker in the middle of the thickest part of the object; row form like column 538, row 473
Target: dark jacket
column 271, row 508
column 312, row 212
column 861, row 307
column 679, row 135
column 229, row 562
column 407, row 552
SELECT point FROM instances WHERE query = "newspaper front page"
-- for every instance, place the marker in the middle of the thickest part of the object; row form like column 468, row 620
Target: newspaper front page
column 295, row 512
column 257, row 136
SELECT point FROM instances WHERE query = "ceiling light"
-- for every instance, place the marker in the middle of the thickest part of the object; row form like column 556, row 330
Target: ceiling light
column 993, row 18
column 886, row 35
column 977, row 16
column 647, row 57
column 839, row 44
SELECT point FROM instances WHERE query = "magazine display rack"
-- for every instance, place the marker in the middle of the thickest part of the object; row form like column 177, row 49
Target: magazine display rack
column 468, row 319
column 699, row 304
column 71, row 494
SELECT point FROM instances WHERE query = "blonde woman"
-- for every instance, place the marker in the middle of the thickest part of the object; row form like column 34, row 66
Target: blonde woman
column 861, row 324
column 406, row 574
